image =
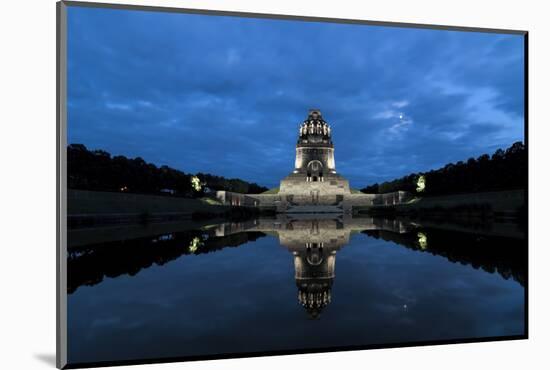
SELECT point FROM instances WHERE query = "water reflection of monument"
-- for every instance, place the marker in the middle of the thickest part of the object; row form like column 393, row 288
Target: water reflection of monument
column 314, row 275
column 313, row 240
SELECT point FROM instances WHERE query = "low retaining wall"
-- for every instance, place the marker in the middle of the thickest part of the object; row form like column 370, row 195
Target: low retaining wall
column 394, row 198
column 282, row 202
column 499, row 201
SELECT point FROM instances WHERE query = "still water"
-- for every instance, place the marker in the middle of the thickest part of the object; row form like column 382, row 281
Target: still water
column 309, row 282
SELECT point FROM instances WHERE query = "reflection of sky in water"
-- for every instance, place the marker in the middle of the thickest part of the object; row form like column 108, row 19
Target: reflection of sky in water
column 245, row 299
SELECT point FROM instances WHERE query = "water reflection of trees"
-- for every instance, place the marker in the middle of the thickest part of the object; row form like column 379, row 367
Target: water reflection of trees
column 506, row 256
column 91, row 264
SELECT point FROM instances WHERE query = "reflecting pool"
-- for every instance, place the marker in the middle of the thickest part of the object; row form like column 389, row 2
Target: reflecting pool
column 298, row 283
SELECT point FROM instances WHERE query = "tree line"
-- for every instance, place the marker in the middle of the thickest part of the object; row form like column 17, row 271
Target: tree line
column 504, row 170
column 98, row 170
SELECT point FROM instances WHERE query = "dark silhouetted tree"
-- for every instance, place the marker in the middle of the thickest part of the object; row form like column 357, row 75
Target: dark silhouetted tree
column 97, row 170
column 504, row 170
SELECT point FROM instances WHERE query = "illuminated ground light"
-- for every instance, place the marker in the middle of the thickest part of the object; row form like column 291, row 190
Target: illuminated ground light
column 196, row 183
column 195, row 244
column 422, row 240
column 420, row 184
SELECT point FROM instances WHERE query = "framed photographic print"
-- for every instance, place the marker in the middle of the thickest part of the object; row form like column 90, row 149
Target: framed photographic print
column 235, row 184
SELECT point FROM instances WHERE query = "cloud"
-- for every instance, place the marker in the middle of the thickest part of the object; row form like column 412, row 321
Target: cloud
column 400, row 104
column 403, row 124
column 174, row 90
column 117, row 106
column 233, row 56
column 386, row 114
column 398, row 121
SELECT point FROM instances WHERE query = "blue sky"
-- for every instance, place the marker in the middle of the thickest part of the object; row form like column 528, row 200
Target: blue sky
column 225, row 95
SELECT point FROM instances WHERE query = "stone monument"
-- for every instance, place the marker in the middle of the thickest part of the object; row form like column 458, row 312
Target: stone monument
column 314, row 181
column 313, row 186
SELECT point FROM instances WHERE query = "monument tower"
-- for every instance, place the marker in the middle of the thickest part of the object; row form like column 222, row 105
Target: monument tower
column 314, row 180
column 315, row 151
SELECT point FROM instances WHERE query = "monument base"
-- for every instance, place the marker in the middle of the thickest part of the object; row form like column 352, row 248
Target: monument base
column 329, row 190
